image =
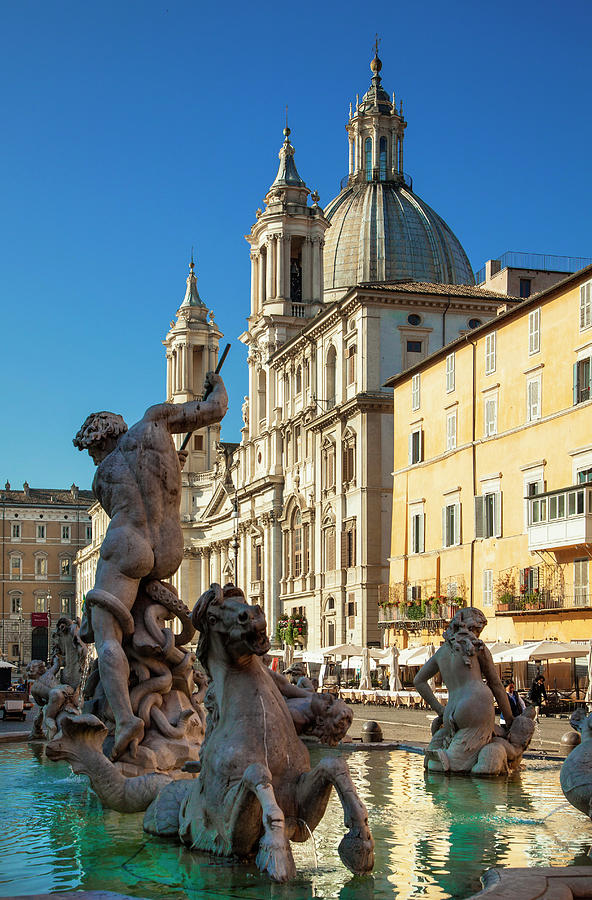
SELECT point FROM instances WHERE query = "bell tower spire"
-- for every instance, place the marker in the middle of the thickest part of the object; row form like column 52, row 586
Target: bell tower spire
column 191, row 351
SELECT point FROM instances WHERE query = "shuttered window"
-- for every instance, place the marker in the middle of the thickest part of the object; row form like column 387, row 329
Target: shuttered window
column 415, row 392
column 586, row 305
column 415, row 446
column 450, row 372
column 488, row 515
column 418, row 533
column 533, row 399
column 534, row 331
column 451, row 431
column 490, row 411
column 451, row 525
column 490, row 353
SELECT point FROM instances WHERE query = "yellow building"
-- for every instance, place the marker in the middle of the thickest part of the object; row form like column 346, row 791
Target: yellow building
column 492, row 495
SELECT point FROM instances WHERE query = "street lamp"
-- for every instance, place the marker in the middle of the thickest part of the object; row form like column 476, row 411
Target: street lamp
column 234, row 539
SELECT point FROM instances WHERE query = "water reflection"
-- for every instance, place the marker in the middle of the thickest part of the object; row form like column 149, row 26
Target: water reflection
column 434, row 836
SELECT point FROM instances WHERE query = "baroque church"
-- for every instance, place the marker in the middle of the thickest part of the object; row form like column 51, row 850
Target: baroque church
column 299, row 511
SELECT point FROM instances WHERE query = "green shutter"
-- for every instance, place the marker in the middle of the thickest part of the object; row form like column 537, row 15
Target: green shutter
column 575, row 383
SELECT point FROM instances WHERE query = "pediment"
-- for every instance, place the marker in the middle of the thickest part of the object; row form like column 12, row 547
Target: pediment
column 219, row 505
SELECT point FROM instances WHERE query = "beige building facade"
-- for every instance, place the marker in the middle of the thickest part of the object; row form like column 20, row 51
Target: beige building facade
column 492, row 462
column 42, row 531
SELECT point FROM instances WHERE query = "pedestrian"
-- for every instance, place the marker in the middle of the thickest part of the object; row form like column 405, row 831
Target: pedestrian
column 517, row 704
column 538, row 695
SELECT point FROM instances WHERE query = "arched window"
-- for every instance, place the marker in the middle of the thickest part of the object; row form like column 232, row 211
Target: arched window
column 66, row 605
column 382, row 158
column 16, row 567
column 368, row 158
column 16, row 602
column 41, row 565
column 262, row 395
column 330, row 376
column 348, row 459
column 297, row 544
column 65, row 567
column 328, row 466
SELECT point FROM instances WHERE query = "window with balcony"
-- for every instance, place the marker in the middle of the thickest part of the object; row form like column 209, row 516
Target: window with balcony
column 451, row 525
column 584, row 476
column 488, row 515
column 586, row 305
column 416, row 392
column 534, row 331
column 416, row 446
column 490, row 416
column 582, row 371
column 450, row 372
column 418, row 532
column 533, row 399
column 451, row 430
column 529, row 580
column 490, row 361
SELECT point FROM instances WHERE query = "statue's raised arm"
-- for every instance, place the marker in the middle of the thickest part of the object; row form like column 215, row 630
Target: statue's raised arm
column 186, row 417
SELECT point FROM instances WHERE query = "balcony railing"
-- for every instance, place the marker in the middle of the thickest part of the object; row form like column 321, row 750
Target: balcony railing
column 362, row 177
column 560, row 518
column 542, row 602
column 414, row 614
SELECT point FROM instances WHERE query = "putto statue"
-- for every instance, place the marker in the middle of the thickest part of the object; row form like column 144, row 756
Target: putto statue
column 138, row 484
column 256, row 791
column 465, row 736
column 576, row 771
column 56, row 690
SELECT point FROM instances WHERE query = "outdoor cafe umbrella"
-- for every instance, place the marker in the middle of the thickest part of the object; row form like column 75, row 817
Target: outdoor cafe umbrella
column 393, row 658
column 540, row 650
column 365, row 682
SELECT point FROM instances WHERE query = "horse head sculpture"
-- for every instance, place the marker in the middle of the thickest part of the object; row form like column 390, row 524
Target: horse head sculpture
column 228, row 626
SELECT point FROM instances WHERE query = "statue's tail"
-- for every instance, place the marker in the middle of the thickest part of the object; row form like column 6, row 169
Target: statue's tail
column 80, row 742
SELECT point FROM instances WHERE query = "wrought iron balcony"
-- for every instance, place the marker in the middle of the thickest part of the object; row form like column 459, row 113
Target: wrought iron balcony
column 560, row 518
column 542, row 602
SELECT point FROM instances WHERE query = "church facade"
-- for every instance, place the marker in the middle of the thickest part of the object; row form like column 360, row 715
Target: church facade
column 299, row 511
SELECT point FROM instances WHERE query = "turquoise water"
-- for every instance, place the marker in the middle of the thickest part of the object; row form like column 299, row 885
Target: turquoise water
column 433, row 838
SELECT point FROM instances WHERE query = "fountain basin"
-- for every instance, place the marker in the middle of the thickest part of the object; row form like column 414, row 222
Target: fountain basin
column 434, row 836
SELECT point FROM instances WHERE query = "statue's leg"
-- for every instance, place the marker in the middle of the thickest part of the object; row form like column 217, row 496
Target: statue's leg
column 357, row 846
column 109, row 618
column 251, row 806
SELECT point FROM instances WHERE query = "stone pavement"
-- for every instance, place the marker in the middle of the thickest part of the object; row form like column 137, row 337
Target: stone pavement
column 413, row 726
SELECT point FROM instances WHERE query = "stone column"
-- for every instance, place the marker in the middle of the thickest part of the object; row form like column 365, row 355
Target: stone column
column 190, row 374
column 275, row 604
column 315, row 269
column 400, row 154
column 216, row 568
column 269, row 271
column 321, row 267
column 375, row 145
column 279, row 256
column 205, row 570
column 261, row 278
column 254, row 285
column 351, row 154
column 169, row 383
column 306, row 269
column 275, row 291
column 287, row 260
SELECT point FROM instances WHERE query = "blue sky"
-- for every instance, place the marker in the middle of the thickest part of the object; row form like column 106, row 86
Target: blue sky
column 132, row 130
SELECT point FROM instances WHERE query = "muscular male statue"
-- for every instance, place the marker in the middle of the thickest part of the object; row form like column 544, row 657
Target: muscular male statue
column 138, row 484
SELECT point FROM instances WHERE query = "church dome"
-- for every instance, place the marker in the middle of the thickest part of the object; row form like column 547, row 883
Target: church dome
column 380, row 229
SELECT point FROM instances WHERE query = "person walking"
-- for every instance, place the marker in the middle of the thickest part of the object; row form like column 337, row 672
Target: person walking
column 538, row 695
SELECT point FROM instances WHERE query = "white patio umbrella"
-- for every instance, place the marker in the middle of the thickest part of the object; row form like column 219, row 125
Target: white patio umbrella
column 541, row 650
column 393, row 658
column 365, row 682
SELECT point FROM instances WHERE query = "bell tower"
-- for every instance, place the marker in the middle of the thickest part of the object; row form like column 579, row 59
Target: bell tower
column 191, row 351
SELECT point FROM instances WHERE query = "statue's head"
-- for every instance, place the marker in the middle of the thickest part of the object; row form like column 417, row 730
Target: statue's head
column 333, row 718
column 462, row 634
column 36, row 668
column 241, row 628
column 99, row 434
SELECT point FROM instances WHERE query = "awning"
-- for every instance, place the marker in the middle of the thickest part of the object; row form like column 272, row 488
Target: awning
column 416, row 656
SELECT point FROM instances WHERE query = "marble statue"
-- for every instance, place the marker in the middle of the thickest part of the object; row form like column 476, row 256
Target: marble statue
column 56, row 690
column 576, row 771
column 256, row 791
column 465, row 737
column 138, row 484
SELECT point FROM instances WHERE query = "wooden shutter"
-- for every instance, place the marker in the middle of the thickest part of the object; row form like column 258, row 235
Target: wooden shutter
column 344, row 549
column 575, row 383
column 479, row 518
column 497, row 511
column 411, row 446
column 457, row 523
column 421, row 532
column 420, row 457
column 444, row 541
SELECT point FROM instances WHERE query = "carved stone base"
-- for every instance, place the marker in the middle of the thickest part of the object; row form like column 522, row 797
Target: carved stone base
column 544, row 883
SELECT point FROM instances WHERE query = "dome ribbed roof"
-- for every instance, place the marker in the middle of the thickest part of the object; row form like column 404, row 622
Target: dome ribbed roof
column 382, row 231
